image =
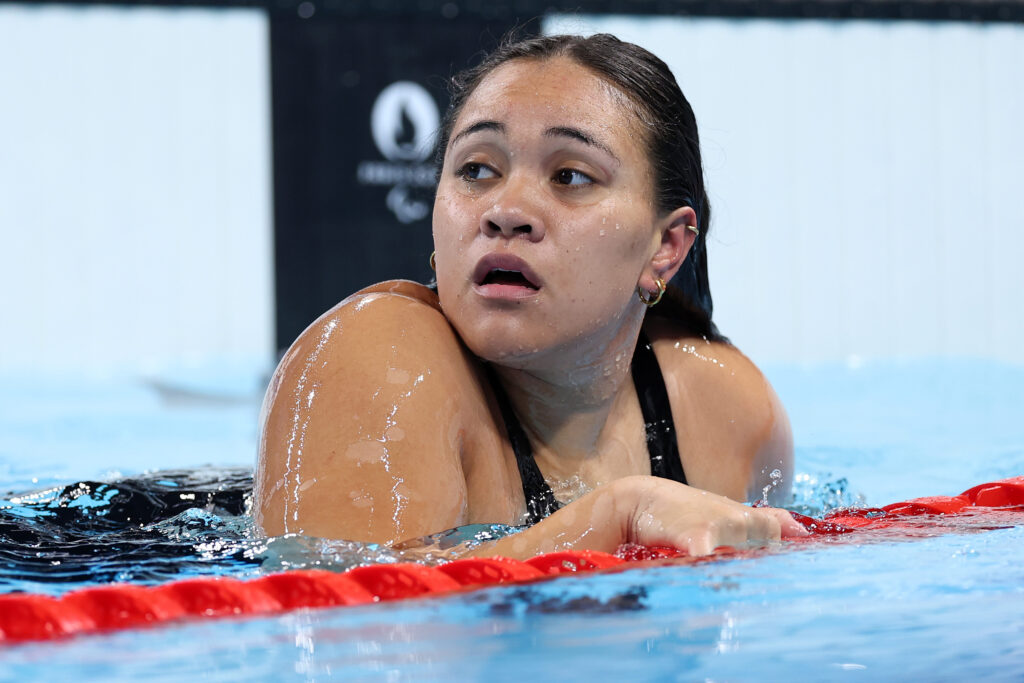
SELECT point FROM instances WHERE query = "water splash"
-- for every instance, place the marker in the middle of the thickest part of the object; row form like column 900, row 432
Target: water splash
column 815, row 494
column 774, row 482
column 146, row 529
column 175, row 524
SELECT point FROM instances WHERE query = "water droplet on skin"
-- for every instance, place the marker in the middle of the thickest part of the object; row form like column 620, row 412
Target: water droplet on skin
column 360, row 498
column 397, row 376
column 367, row 452
column 602, row 233
column 304, row 392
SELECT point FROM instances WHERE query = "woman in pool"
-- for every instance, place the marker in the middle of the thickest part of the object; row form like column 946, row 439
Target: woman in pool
column 551, row 380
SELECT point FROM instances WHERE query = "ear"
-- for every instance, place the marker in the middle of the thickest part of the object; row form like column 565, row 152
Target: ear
column 676, row 241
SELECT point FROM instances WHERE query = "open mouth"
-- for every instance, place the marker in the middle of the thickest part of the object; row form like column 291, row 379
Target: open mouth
column 514, row 278
column 504, row 275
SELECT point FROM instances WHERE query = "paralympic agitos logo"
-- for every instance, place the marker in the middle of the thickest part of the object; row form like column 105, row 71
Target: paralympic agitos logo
column 404, row 122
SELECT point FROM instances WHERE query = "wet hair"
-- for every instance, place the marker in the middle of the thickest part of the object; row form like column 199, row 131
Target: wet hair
column 670, row 131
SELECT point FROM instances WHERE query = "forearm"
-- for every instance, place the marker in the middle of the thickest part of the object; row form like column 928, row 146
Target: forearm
column 649, row 511
column 597, row 521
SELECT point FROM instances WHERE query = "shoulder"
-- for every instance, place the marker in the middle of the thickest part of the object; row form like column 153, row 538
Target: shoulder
column 735, row 428
column 385, row 304
column 369, row 393
column 387, row 338
column 701, row 362
column 394, row 317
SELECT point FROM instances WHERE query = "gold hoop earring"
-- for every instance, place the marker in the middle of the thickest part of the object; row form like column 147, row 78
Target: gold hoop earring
column 648, row 298
column 433, row 261
column 694, row 229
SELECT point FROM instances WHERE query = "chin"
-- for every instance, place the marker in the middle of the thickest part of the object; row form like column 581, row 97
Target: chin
column 505, row 344
column 522, row 336
column 525, row 348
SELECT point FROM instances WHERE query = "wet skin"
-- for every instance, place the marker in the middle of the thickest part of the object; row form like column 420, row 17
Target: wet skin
column 379, row 425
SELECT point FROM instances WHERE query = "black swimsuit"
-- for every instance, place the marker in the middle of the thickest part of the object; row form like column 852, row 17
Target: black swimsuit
column 661, row 432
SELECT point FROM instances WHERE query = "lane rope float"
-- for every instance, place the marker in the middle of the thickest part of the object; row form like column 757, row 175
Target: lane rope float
column 29, row 617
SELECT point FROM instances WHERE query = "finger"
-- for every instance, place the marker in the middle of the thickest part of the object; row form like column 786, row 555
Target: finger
column 738, row 525
column 700, row 543
column 764, row 526
column 789, row 526
column 733, row 527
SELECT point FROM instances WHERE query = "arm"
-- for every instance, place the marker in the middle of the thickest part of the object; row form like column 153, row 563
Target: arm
column 363, row 439
column 356, row 440
column 771, row 471
column 647, row 511
column 734, row 429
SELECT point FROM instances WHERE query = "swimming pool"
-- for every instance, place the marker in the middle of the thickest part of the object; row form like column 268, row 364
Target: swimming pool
column 939, row 608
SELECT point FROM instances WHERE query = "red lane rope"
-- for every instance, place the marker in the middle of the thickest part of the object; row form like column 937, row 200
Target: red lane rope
column 27, row 617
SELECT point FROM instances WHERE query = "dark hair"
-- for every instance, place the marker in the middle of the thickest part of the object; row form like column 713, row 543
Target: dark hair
column 671, row 137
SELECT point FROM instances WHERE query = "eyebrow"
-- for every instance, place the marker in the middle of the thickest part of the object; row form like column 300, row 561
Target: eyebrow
column 480, row 126
column 556, row 132
column 577, row 134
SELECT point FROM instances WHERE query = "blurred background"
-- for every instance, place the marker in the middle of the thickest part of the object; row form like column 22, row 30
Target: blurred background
column 185, row 186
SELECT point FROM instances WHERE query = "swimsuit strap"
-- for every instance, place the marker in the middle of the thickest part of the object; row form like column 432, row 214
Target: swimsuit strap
column 662, row 444
column 660, row 432
column 540, row 499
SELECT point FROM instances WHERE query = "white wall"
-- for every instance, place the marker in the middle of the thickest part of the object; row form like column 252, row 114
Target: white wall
column 866, row 180
column 135, row 201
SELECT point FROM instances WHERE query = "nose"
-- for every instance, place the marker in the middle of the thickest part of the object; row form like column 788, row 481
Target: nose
column 516, row 212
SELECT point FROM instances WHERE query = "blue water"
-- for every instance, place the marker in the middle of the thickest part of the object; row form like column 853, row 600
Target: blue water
column 942, row 608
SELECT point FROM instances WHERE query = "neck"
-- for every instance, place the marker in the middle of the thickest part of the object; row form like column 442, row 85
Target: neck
column 564, row 403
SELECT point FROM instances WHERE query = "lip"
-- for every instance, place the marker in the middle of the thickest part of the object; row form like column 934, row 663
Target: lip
column 500, row 261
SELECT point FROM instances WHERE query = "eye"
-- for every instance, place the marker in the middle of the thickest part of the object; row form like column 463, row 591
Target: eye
column 572, row 177
column 474, row 171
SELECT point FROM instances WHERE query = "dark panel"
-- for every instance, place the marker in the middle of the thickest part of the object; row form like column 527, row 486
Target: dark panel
column 918, row 10
column 356, row 106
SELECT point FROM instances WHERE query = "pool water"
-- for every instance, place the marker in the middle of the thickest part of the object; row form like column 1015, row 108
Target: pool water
column 941, row 608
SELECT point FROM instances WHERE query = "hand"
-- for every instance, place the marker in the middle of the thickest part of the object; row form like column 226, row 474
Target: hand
column 668, row 513
column 647, row 511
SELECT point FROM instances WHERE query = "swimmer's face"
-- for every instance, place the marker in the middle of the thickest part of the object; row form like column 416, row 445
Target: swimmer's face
column 545, row 220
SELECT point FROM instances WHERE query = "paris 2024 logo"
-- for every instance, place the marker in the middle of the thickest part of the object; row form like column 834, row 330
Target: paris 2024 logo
column 404, row 122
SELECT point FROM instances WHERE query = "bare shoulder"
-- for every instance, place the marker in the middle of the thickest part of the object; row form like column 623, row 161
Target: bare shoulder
column 377, row 320
column 733, row 430
column 387, row 330
column 403, row 288
column 357, row 424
